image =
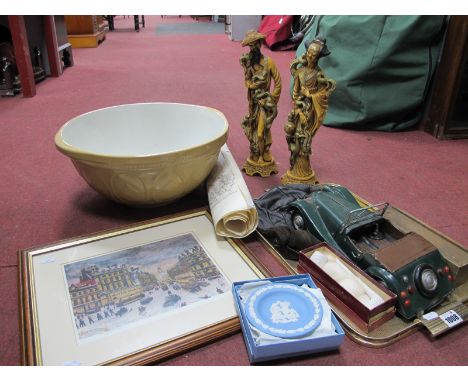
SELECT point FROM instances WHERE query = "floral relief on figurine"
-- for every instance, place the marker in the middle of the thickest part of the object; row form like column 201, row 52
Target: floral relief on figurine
column 310, row 95
column 259, row 71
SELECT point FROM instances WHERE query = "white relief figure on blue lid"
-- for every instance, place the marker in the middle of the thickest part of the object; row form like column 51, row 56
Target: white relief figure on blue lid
column 282, row 312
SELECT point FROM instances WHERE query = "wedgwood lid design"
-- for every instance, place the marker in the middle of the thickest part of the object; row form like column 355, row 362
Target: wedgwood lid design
column 284, row 310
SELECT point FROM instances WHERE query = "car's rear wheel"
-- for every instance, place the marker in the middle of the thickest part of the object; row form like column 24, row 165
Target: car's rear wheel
column 384, row 278
column 381, row 282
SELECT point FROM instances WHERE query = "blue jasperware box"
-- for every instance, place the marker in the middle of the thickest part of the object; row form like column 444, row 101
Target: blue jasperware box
column 266, row 352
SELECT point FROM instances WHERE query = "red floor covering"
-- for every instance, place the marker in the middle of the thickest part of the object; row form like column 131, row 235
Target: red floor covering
column 43, row 199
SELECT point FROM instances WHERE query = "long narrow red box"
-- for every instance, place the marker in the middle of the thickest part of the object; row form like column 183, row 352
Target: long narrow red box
column 366, row 319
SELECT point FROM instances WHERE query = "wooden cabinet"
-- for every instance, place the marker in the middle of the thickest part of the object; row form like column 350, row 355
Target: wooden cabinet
column 448, row 113
column 31, row 34
column 85, row 31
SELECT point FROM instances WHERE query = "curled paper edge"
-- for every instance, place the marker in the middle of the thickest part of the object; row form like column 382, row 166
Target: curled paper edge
column 232, row 208
column 247, row 221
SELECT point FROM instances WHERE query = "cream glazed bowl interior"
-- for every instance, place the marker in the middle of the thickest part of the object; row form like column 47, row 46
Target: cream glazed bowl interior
column 144, row 154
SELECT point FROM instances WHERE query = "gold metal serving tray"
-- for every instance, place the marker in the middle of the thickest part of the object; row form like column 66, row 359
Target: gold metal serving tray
column 397, row 328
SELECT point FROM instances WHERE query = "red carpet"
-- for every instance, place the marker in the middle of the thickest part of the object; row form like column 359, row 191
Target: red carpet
column 42, row 198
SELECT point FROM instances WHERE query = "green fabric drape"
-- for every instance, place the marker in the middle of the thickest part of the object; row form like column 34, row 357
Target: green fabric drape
column 382, row 66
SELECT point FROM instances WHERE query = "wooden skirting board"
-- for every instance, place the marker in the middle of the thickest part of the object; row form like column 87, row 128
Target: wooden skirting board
column 86, row 40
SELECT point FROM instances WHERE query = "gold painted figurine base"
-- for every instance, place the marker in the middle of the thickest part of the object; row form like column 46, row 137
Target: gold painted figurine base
column 290, row 178
column 263, row 169
column 301, row 172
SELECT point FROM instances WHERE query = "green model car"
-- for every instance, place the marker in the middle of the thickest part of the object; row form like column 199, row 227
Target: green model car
column 407, row 264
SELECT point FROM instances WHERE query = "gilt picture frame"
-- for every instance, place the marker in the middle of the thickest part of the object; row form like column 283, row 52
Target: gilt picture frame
column 131, row 296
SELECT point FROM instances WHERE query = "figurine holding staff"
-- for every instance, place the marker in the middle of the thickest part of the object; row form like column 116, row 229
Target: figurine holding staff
column 259, row 71
column 310, row 98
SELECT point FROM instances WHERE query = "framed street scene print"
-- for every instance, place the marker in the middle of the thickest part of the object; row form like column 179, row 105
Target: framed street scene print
column 133, row 295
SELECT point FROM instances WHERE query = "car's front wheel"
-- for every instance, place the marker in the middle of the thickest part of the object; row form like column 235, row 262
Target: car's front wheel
column 298, row 221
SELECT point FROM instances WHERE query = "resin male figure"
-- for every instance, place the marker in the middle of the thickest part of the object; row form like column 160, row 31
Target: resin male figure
column 259, row 71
